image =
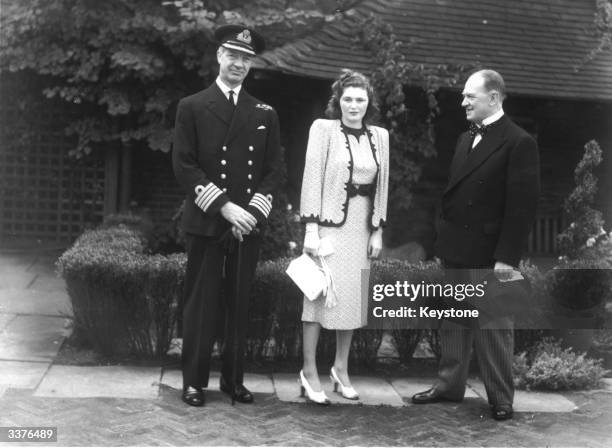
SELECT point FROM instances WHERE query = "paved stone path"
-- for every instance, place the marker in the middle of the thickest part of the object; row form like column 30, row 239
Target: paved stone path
column 128, row 405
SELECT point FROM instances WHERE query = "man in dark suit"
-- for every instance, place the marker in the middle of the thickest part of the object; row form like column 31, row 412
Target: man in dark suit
column 487, row 211
column 226, row 155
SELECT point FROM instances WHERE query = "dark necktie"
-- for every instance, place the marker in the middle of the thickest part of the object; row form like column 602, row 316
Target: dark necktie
column 231, row 98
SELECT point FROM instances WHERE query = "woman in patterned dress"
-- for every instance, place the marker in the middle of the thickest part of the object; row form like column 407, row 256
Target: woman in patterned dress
column 344, row 200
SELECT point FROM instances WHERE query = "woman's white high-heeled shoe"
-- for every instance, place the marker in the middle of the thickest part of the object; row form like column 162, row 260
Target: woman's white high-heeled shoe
column 346, row 391
column 306, row 390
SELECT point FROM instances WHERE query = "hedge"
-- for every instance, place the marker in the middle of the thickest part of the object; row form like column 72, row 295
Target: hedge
column 126, row 300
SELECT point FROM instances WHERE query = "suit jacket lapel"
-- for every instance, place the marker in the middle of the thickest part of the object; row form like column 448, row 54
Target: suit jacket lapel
column 459, row 158
column 244, row 108
column 219, row 105
column 487, row 146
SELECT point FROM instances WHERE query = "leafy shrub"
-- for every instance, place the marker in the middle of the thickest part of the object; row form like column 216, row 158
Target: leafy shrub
column 586, row 222
column 275, row 312
column 525, row 339
column 388, row 271
column 582, row 279
column 116, row 239
column 138, row 222
column 275, row 326
column 284, row 233
column 124, row 301
column 550, row 367
column 579, row 284
column 169, row 238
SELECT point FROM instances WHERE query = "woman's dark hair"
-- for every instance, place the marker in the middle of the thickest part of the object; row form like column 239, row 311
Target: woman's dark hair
column 350, row 78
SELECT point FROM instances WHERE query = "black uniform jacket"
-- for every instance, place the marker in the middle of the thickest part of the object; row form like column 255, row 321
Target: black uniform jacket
column 491, row 199
column 234, row 153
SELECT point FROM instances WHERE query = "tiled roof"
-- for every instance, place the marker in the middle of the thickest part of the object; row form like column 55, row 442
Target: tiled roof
column 536, row 45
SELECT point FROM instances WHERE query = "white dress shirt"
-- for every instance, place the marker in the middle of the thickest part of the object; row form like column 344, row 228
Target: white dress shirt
column 487, row 121
column 225, row 89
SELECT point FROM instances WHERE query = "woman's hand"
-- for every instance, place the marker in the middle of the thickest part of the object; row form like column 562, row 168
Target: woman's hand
column 311, row 239
column 375, row 244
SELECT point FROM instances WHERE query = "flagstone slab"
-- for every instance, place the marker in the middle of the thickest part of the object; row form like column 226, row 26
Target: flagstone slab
column 476, row 386
column 22, row 375
column 33, row 338
column 532, row 401
column 49, row 282
column 100, row 381
column 407, row 387
column 34, row 301
column 372, row 391
column 259, row 384
column 542, row 402
column 16, row 261
column 45, row 264
column 12, row 277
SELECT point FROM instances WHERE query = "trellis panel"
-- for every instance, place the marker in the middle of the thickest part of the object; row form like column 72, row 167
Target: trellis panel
column 44, row 194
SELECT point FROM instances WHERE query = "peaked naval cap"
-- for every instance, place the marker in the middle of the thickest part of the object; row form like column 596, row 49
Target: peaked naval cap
column 240, row 38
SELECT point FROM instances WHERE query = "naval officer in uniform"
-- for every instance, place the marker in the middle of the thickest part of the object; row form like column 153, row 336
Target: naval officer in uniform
column 226, row 156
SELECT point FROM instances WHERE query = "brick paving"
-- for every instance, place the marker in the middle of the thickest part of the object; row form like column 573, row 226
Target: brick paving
column 167, row 421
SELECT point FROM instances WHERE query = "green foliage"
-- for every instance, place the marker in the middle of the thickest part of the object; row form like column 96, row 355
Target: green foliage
column 392, row 270
column 582, row 278
column 525, row 339
column 284, row 233
column 550, row 367
column 579, row 284
column 275, row 326
column 141, row 224
column 586, row 222
column 124, row 302
column 123, row 64
column 410, row 125
column 275, row 312
column 602, row 31
column 389, row 271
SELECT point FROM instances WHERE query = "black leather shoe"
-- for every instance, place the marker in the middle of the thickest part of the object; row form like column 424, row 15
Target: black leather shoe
column 193, row 396
column 432, row 395
column 502, row 412
column 241, row 394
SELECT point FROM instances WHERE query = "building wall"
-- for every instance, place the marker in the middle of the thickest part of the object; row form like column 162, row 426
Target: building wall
column 45, row 195
column 155, row 191
column 560, row 127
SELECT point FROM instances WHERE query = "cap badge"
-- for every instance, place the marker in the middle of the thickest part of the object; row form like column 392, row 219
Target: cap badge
column 245, row 37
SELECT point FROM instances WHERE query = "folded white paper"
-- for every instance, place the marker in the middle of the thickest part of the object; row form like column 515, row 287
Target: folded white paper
column 308, row 276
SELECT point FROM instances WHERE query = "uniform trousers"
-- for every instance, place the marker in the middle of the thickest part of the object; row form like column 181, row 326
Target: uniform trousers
column 494, row 349
column 211, row 282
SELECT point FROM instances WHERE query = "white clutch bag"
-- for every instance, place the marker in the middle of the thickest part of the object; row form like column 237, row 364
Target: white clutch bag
column 308, row 276
column 313, row 279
